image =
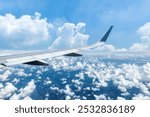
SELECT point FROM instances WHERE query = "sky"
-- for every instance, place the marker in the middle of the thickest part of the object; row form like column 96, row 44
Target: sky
column 36, row 24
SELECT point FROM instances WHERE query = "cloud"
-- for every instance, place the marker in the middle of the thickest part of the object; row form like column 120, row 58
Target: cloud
column 144, row 32
column 141, row 97
column 4, row 76
column 106, row 48
column 24, row 31
column 70, row 36
column 138, row 47
column 21, row 72
column 67, row 97
column 100, row 97
column 7, row 91
column 68, row 91
column 80, row 75
column 25, row 92
column 120, row 98
column 28, row 89
column 77, row 82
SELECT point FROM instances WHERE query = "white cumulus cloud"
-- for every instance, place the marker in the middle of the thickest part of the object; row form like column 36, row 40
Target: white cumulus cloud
column 7, row 91
column 106, row 48
column 144, row 32
column 70, row 36
column 4, row 76
column 23, row 31
column 68, row 91
column 25, row 92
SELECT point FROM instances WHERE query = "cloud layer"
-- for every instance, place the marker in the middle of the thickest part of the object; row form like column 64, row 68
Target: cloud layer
column 96, row 77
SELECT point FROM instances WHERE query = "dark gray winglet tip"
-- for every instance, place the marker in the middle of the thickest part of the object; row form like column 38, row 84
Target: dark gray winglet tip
column 104, row 38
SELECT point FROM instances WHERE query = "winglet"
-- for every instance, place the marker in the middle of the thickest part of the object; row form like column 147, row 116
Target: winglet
column 104, row 38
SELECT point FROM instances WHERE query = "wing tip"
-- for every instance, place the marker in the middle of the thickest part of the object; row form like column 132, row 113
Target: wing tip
column 104, row 38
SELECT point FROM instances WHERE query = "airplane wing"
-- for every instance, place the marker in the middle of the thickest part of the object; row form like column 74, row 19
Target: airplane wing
column 36, row 58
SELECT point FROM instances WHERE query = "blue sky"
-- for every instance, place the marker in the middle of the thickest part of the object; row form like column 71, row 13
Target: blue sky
column 126, row 16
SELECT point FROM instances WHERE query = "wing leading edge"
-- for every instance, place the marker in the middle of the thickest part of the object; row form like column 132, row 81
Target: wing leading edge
column 35, row 58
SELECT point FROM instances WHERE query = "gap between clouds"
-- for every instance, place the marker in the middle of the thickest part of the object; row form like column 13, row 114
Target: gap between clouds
column 30, row 31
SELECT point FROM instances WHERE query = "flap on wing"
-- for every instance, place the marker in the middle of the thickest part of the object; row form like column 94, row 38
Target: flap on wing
column 73, row 54
column 37, row 62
